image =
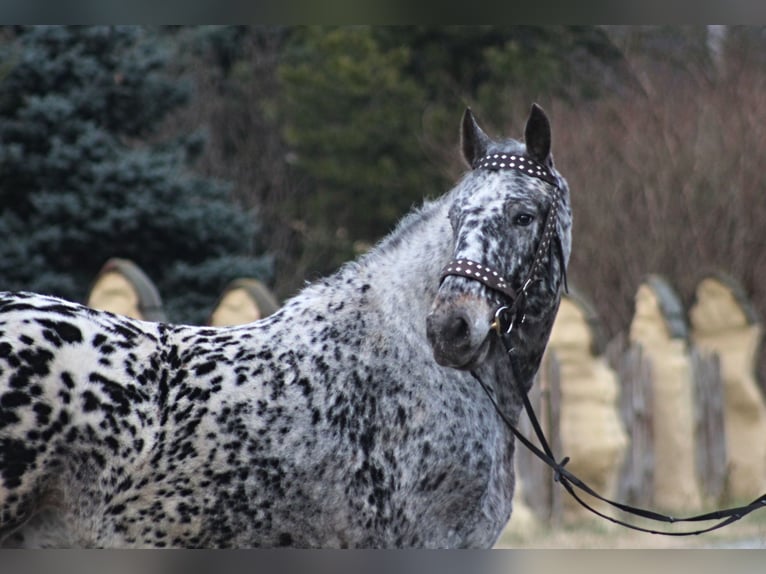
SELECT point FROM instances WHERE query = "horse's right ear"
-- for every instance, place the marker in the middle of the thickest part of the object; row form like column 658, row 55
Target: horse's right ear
column 473, row 141
column 537, row 135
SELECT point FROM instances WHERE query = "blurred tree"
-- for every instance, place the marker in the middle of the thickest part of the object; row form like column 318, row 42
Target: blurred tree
column 235, row 100
column 357, row 101
column 500, row 70
column 332, row 134
column 79, row 183
column 569, row 61
column 352, row 118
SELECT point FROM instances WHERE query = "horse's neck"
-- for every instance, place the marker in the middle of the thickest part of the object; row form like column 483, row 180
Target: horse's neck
column 405, row 267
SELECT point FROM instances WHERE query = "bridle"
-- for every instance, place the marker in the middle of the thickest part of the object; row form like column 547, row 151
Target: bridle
column 507, row 315
column 506, row 319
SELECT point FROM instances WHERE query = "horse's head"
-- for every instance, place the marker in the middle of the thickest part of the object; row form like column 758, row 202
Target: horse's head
column 511, row 222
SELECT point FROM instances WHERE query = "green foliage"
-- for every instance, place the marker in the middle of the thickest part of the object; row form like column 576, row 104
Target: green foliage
column 352, row 119
column 334, row 133
column 80, row 184
column 355, row 102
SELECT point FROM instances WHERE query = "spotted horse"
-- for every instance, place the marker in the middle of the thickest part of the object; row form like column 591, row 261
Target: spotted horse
column 350, row 418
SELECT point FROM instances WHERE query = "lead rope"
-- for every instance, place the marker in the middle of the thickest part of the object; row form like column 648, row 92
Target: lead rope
column 570, row 482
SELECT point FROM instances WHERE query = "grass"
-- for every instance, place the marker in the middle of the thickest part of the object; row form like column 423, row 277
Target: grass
column 750, row 532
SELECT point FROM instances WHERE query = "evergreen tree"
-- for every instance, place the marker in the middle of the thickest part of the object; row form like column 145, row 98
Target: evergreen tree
column 371, row 114
column 352, row 118
column 335, row 132
column 80, row 181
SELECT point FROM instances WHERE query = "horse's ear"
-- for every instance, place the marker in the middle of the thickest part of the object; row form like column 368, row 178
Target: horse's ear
column 537, row 135
column 473, row 141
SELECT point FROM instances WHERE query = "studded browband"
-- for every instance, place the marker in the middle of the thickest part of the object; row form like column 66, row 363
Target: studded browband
column 521, row 163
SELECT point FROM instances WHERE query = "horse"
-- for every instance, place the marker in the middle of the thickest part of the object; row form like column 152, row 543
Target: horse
column 351, row 418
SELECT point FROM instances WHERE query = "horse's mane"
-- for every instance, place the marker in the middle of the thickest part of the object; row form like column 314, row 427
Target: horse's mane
column 406, row 227
column 402, row 232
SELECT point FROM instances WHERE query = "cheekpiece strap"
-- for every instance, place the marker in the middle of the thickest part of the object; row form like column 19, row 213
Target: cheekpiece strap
column 480, row 273
column 521, row 163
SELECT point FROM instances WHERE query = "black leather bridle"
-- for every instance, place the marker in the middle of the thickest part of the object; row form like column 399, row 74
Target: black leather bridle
column 506, row 319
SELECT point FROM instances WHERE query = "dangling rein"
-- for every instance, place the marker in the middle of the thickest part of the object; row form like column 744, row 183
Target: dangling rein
column 572, row 483
column 507, row 317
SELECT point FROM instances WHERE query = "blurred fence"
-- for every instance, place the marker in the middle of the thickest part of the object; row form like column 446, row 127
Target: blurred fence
column 688, row 405
column 122, row 287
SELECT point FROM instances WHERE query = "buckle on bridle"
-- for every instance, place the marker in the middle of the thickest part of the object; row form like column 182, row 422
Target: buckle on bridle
column 497, row 322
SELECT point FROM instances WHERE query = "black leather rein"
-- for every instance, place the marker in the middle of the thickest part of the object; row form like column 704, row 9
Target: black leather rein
column 572, row 483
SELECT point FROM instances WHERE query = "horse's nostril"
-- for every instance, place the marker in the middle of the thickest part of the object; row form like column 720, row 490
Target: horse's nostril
column 454, row 337
column 457, row 329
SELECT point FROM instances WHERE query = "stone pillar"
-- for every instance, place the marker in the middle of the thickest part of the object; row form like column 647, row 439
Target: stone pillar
column 243, row 301
column 592, row 434
column 122, row 287
column 724, row 323
column 659, row 327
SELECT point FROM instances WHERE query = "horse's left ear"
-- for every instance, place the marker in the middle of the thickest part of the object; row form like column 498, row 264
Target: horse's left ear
column 537, row 135
column 473, row 141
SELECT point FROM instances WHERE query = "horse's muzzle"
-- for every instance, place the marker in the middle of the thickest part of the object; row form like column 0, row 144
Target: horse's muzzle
column 458, row 334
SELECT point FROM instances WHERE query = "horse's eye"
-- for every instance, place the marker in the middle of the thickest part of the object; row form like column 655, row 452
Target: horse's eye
column 523, row 219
